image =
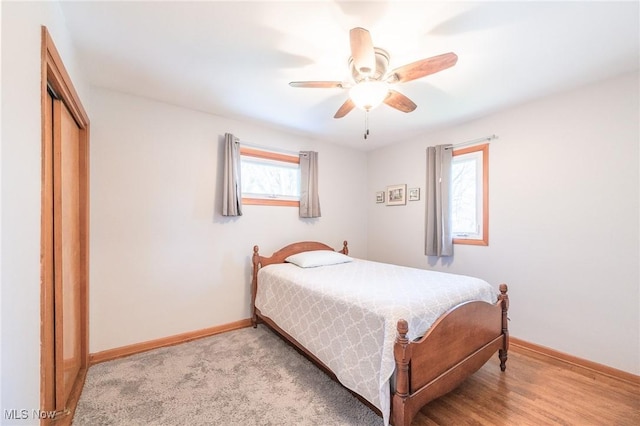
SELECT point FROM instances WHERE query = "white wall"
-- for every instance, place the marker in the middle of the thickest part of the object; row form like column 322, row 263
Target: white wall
column 21, row 174
column 564, row 218
column 163, row 259
column 564, row 214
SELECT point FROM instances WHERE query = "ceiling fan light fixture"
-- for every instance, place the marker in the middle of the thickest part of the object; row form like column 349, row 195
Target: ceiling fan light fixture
column 369, row 94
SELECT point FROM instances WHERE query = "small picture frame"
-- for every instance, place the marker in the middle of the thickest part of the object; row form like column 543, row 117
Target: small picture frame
column 396, row 195
column 380, row 197
column 414, row 194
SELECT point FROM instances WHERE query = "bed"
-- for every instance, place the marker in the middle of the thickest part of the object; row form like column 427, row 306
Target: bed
column 397, row 337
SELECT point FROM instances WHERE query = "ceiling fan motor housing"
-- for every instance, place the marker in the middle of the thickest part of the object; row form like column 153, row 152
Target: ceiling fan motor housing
column 382, row 64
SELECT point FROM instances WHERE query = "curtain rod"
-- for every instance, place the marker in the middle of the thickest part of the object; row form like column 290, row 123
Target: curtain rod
column 474, row 141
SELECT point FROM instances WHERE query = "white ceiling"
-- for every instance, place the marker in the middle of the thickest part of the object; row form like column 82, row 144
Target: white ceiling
column 235, row 59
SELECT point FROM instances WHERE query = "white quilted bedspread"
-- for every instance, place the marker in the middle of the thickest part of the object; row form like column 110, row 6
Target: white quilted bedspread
column 346, row 314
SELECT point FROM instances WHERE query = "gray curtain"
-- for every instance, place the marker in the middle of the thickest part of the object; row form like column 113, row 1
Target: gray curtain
column 309, row 199
column 232, row 190
column 439, row 241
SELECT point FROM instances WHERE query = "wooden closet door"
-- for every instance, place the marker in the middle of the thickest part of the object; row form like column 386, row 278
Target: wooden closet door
column 64, row 291
column 68, row 252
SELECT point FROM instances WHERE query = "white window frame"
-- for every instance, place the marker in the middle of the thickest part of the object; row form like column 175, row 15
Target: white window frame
column 481, row 154
column 273, row 157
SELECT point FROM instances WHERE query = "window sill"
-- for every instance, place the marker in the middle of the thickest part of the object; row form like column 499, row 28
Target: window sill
column 469, row 242
column 269, row 202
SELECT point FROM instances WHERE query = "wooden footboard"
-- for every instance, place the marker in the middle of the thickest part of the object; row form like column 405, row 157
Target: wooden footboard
column 455, row 347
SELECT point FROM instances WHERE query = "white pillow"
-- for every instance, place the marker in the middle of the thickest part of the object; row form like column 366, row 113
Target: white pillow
column 311, row 259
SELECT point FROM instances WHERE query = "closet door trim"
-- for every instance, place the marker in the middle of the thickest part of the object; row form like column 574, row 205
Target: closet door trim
column 56, row 80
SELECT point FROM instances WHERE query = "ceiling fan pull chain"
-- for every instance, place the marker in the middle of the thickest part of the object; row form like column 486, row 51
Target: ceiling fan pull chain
column 366, row 124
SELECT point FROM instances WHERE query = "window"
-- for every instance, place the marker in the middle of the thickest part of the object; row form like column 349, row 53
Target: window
column 470, row 195
column 269, row 178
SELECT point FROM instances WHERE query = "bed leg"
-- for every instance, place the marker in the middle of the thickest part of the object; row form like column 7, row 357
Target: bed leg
column 502, row 353
column 255, row 260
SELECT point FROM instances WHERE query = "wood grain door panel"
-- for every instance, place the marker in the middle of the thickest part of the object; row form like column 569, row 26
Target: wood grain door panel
column 67, row 251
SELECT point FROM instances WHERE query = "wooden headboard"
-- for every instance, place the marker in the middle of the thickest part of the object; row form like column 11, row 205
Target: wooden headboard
column 279, row 257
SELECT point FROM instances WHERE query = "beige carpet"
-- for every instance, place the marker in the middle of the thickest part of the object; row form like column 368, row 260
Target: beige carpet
column 244, row 377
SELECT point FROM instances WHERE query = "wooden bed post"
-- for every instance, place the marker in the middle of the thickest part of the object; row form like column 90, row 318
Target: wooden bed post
column 402, row 355
column 502, row 353
column 345, row 249
column 255, row 259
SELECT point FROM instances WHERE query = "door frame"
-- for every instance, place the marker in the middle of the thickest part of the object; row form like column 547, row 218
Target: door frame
column 55, row 76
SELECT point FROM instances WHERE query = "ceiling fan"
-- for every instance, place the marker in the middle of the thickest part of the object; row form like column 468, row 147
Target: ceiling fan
column 372, row 84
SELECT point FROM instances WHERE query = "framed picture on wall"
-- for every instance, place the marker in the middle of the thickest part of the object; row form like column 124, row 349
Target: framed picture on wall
column 380, row 197
column 396, row 195
column 414, row 194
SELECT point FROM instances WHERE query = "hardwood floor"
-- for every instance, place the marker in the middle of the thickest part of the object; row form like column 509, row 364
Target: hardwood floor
column 535, row 390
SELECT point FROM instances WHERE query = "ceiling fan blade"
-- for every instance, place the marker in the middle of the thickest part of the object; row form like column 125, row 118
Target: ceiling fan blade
column 399, row 101
column 364, row 58
column 317, row 84
column 345, row 109
column 423, row 68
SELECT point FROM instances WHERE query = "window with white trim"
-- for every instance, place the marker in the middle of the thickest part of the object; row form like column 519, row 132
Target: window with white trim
column 269, row 177
column 470, row 195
